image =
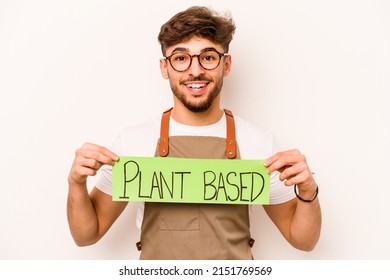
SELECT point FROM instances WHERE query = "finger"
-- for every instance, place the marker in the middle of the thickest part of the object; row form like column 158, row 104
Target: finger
column 91, row 163
column 292, row 171
column 285, row 162
column 100, row 149
column 279, row 155
column 298, row 179
column 79, row 174
column 83, row 171
column 99, row 157
column 95, row 154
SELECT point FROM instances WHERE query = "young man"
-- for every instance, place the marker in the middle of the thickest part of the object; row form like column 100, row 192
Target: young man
column 195, row 43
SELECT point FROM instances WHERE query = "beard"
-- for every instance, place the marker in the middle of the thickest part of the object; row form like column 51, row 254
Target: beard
column 198, row 106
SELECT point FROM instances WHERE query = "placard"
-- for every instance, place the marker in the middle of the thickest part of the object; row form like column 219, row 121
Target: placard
column 183, row 180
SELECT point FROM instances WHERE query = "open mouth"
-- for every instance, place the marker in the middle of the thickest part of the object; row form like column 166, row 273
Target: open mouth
column 196, row 87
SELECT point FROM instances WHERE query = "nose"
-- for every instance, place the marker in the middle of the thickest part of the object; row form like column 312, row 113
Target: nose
column 195, row 68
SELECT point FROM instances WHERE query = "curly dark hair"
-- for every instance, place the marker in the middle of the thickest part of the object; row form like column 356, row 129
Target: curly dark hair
column 197, row 21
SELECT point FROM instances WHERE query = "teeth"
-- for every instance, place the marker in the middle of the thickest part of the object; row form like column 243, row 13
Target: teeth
column 197, row 86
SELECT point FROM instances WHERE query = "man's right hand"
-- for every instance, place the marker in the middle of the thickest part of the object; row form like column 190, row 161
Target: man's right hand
column 88, row 160
column 90, row 215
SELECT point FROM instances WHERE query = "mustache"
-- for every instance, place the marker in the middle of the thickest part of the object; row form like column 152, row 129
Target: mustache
column 201, row 77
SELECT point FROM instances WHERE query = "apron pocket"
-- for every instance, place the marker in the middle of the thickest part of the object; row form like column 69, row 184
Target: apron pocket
column 179, row 217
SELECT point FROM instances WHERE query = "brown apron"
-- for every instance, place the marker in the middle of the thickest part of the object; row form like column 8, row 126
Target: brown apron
column 196, row 231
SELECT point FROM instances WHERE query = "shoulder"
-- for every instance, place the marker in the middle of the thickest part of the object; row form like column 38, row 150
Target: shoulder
column 138, row 139
column 254, row 142
column 247, row 128
column 144, row 128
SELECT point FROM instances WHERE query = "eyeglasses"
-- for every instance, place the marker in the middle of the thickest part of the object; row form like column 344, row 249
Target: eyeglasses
column 181, row 61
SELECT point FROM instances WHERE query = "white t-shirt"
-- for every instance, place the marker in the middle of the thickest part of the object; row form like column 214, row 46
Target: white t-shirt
column 141, row 140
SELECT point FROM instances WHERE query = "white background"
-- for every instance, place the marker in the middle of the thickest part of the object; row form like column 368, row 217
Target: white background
column 315, row 73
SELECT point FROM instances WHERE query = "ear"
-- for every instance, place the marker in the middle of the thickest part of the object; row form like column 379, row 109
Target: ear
column 227, row 65
column 163, row 68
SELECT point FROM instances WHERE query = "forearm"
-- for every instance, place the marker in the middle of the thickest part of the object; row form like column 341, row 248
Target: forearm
column 305, row 225
column 82, row 218
column 299, row 220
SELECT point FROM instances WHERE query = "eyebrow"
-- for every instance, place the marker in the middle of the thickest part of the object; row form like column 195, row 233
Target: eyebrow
column 187, row 50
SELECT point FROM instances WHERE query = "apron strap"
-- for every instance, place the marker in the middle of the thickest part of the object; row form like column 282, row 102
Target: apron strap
column 230, row 134
column 164, row 133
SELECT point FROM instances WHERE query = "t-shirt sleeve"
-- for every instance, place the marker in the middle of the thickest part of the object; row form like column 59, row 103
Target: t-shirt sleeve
column 104, row 176
column 134, row 140
column 104, row 182
column 279, row 193
column 257, row 143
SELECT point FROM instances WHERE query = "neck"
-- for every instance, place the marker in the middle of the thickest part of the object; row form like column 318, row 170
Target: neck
column 184, row 116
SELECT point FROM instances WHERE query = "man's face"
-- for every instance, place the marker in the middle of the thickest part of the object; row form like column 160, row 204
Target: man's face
column 196, row 88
